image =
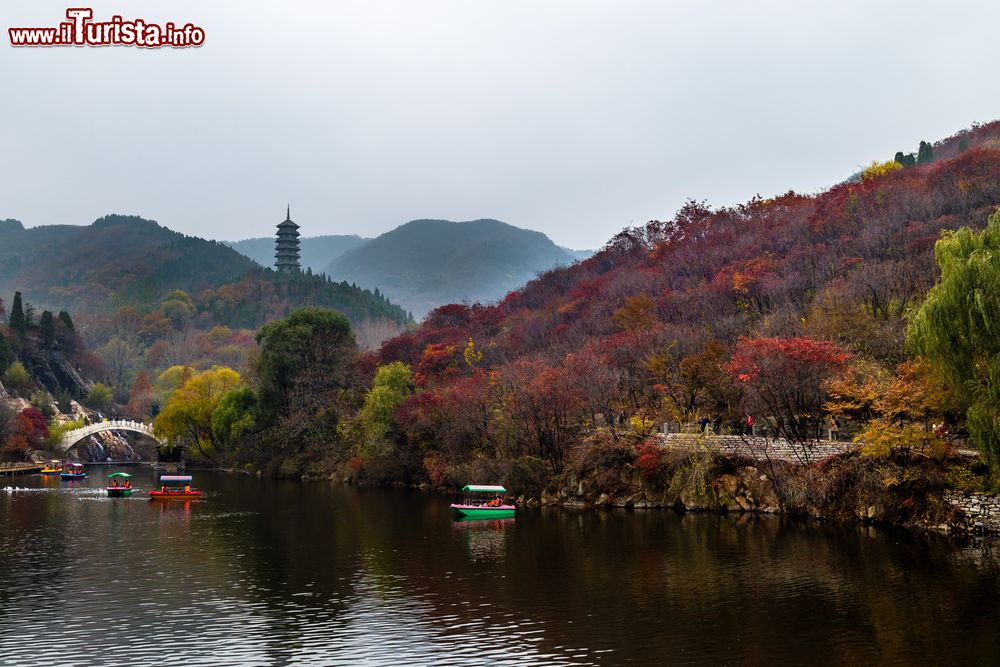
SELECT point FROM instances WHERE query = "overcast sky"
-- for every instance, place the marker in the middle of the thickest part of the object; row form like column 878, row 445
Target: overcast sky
column 571, row 117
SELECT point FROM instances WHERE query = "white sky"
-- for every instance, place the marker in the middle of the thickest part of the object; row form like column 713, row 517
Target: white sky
column 572, row 117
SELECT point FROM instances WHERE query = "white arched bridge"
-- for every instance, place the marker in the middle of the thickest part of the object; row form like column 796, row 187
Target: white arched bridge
column 70, row 438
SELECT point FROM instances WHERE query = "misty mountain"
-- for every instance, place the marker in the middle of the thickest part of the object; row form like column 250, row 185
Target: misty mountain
column 316, row 252
column 129, row 261
column 427, row 263
column 578, row 255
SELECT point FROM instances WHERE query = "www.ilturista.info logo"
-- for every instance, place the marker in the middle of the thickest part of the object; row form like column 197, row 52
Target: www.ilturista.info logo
column 80, row 30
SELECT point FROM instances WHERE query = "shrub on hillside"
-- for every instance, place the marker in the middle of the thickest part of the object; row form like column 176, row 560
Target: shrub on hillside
column 17, row 379
column 99, row 397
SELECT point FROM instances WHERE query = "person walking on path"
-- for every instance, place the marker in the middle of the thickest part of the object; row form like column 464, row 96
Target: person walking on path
column 834, row 429
column 750, row 425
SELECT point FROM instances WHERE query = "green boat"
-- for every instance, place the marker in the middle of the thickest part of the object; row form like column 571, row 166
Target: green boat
column 119, row 485
column 483, row 502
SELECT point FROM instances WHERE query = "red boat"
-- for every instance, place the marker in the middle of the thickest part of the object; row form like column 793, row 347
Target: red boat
column 175, row 487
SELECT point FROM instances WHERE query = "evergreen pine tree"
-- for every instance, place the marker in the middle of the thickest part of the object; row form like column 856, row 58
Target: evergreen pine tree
column 7, row 355
column 66, row 319
column 64, row 402
column 48, row 328
column 17, row 322
column 925, row 154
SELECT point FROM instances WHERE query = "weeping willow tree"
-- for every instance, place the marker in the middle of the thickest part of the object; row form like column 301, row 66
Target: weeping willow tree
column 957, row 328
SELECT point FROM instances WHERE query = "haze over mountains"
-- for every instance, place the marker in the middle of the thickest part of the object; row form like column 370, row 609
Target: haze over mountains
column 427, row 263
column 316, row 251
column 129, row 261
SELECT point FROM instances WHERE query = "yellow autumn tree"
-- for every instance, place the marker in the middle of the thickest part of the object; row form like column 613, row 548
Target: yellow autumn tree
column 878, row 169
column 186, row 418
column 638, row 313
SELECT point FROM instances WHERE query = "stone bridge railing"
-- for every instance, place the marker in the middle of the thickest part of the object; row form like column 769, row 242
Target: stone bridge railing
column 777, row 449
column 70, row 438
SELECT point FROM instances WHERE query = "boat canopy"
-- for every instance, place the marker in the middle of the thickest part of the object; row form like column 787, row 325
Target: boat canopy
column 120, row 474
column 76, row 465
column 175, row 478
column 54, row 461
column 476, row 488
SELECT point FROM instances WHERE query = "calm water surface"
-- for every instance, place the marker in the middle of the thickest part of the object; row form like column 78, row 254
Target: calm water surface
column 282, row 573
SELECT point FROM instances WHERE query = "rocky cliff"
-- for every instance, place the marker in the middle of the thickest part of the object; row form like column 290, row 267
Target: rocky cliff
column 51, row 368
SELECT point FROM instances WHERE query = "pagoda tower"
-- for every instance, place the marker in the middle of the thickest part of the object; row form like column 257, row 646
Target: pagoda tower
column 286, row 247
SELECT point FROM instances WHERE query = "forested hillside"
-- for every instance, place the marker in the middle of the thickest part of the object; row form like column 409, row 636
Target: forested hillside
column 792, row 308
column 126, row 260
column 145, row 298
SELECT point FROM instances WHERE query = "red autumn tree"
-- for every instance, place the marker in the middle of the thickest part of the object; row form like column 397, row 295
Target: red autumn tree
column 783, row 382
column 34, row 427
column 437, row 364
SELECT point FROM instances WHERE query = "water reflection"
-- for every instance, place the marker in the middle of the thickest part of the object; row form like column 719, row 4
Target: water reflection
column 271, row 573
column 484, row 538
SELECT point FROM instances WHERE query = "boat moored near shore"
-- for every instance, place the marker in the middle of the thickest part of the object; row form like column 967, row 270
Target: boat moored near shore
column 483, row 502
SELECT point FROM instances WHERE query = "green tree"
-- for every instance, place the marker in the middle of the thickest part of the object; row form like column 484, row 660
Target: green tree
column 906, row 159
column 170, row 380
column 7, row 356
column 186, row 417
column 66, row 320
column 56, row 430
column 47, row 326
column 18, row 323
column 98, row 397
column 178, row 307
column 303, row 356
column 392, row 384
column 41, row 400
column 64, row 402
column 925, row 154
column 17, row 378
column 956, row 328
column 235, row 417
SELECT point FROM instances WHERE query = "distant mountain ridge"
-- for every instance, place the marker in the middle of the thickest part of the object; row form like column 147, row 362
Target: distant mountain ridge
column 127, row 260
column 316, row 251
column 427, row 263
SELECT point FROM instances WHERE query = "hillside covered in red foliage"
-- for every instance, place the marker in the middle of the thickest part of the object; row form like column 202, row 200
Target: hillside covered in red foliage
column 659, row 325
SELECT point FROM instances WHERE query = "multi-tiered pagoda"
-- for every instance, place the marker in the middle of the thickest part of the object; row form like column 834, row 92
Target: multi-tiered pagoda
column 286, row 248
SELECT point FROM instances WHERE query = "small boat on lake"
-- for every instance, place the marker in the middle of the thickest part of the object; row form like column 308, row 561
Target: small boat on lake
column 53, row 467
column 73, row 471
column 483, row 502
column 119, row 485
column 175, row 487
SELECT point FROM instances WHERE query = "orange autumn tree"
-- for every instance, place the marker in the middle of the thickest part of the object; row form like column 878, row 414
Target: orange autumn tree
column 897, row 408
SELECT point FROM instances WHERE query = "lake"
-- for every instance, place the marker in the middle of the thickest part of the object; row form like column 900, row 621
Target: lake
column 265, row 572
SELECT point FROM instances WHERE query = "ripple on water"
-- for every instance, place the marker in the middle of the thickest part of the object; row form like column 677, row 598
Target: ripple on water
column 318, row 575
